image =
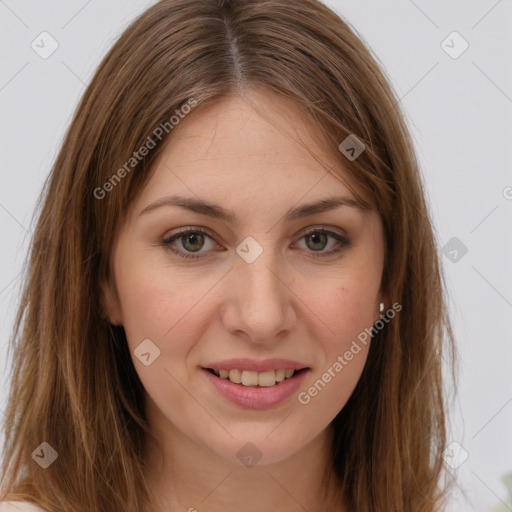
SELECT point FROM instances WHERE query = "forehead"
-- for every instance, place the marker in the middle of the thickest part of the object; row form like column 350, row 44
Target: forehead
column 255, row 150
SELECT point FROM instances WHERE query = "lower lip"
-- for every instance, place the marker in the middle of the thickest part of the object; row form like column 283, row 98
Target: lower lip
column 256, row 397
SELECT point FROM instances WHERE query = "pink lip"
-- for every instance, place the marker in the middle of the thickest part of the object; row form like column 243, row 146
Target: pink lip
column 255, row 365
column 256, row 397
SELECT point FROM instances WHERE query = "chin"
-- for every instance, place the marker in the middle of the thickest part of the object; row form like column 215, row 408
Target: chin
column 259, row 448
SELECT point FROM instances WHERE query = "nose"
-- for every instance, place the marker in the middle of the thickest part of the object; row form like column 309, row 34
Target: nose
column 258, row 302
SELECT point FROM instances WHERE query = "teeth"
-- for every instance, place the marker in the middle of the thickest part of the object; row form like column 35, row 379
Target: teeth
column 235, row 376
column 250, row 378
column 266, row 378
column 280, row 375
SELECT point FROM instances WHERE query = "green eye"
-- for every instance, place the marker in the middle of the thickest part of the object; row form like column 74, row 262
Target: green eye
column 192, row 242
column 196, row 241
column 318, row 239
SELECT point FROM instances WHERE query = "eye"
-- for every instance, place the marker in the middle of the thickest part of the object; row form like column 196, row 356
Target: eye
column 191, row 241
column 317, row 239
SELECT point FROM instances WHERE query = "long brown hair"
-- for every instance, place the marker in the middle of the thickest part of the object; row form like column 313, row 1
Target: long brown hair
column 73, row 382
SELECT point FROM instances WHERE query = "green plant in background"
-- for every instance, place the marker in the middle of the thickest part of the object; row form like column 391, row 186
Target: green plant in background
column 507, row 506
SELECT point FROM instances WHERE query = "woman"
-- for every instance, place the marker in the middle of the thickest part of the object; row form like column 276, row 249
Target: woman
column 234, row 295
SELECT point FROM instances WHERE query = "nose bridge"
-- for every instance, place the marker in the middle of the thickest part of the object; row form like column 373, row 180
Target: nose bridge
column 261, row 299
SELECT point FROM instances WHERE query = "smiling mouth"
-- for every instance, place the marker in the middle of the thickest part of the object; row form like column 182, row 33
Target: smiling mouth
column 256, row 379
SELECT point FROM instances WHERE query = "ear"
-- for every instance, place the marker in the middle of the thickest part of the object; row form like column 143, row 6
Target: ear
column 109, row 300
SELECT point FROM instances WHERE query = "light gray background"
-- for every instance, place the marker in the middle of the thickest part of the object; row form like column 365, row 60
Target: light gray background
column 460, row 113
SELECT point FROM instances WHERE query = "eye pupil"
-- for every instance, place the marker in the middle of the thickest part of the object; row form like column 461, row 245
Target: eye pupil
column 193, row 238
column 317, row 238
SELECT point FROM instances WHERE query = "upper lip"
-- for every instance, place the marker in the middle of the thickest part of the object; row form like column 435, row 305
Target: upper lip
column 254, row 365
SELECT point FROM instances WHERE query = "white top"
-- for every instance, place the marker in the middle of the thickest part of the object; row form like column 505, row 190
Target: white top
column 19, row 506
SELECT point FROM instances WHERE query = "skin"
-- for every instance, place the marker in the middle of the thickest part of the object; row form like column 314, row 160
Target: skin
column 287, row 303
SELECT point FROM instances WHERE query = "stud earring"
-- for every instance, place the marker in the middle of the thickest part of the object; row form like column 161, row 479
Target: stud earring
column 381, row 307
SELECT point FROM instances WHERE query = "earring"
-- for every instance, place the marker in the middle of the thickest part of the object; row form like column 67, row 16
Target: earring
column 381, row 307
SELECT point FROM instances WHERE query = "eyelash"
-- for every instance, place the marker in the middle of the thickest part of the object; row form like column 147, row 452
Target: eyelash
column 167, row 242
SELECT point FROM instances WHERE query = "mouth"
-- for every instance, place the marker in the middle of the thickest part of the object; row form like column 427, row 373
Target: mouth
column 254, row 379
column 253, row 383
column 273, row 385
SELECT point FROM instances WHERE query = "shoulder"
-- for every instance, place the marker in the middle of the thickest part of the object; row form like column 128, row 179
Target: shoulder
column 19, row 506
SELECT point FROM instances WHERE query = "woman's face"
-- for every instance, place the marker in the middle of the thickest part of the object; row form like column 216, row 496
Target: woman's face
column 260, row 283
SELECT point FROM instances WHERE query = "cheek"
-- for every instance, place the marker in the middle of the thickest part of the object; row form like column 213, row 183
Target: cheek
column 344, row 305
column 325, row 395
column 348, row 312
column 345, row 308
column 161, row 304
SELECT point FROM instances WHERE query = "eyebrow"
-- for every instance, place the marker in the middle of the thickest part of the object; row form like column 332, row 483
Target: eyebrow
column 218, row 212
